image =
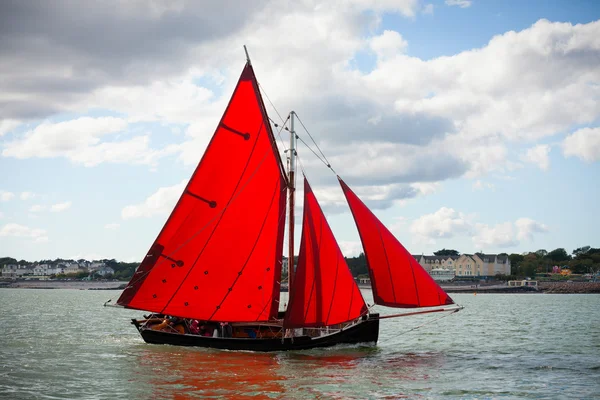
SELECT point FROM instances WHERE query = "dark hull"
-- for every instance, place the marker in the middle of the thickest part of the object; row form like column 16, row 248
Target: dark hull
column 366, row 331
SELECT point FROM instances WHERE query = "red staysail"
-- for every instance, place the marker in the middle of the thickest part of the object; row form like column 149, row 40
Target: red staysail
column 218, row 257
column 396, row 277
column 324, row 291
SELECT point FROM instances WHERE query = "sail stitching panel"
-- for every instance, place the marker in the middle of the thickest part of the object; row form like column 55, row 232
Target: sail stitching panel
column 311, row 232
column 239, row 274
column 337, row 267
column 388, row 263
column 127, row 296
column 220, row 217
column 412, row 271
column 319, row 278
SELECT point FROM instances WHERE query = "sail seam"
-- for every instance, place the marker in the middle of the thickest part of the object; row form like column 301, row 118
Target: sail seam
column 388, row 262
column 311, row 229
column 247, row 258
column 219, row 218
column 139, row 281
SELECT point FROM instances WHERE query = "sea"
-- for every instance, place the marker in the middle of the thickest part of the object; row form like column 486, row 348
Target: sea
column 63, row 344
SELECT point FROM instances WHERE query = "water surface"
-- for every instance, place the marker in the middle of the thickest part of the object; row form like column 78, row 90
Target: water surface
column 62, row 344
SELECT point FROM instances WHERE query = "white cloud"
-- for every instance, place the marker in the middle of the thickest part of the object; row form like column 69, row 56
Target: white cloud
column 37, row 208
column 7, row 125
column 6, row 196
column 112, row 226
column 59, row 207
column 427, row 9
column 479, row 185
column 426, row 188
column 447, row 223
column 27, row 195
column 459, row 3
column 350, row 249
column 63, row 138
column 444, row 223
column 159, row 203
column 1, row 214
column 501, row 235
column 526, row 227
column 388, row 44
column 538, row 155
column 584, row 143
column 16, row 230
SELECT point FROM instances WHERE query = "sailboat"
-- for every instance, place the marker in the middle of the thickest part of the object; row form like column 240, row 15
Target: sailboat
column 212, row 277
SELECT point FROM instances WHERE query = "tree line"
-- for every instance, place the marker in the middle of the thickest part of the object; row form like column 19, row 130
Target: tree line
column 582, row 260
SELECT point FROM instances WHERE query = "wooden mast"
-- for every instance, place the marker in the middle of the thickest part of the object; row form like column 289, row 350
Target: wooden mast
column 292, row 193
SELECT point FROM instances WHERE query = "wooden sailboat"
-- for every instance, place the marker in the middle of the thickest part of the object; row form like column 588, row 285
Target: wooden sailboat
column 212, row 276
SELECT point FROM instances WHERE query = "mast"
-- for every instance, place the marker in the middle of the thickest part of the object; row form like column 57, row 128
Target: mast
column 292, row 194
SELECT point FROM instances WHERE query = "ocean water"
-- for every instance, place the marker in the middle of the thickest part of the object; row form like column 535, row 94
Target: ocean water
column 63, row 344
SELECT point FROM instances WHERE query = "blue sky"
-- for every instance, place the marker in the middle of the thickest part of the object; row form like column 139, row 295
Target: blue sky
column 458, row 132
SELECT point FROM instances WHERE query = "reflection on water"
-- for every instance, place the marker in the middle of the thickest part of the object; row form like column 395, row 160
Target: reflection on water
column 188, row 373
column 343, row 372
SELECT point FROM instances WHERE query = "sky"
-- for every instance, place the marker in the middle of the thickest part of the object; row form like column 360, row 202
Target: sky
column 464, row 124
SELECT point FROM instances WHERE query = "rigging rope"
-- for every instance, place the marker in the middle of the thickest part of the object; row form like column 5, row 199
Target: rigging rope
column 325, row 160
column 422, row 325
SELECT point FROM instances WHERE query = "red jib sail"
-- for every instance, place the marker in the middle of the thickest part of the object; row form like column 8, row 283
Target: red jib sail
column 324, row 291
column 397, row 278
column 218, row 257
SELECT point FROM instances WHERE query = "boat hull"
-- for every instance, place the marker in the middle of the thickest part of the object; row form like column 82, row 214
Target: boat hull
column 366, row 331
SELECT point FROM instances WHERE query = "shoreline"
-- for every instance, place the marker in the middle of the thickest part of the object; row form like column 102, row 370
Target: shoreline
column 543, row 287
column 77, row 285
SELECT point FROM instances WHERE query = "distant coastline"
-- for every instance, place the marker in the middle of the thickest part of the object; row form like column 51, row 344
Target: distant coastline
column 543, row 287
column 56, row 284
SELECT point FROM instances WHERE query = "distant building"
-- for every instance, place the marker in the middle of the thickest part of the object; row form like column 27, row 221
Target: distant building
column 483, row 265
column 103, row 271
column 16, row 271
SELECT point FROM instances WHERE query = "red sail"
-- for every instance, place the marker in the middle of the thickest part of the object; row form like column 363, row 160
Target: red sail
column 218, row 257
column 396, row 277
column 324, row 291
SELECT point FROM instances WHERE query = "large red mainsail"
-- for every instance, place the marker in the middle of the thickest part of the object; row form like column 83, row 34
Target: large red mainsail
column 218, row 257
column 397, row 278
column 324, row 291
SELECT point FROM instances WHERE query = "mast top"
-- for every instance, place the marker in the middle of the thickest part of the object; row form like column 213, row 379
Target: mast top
column 247, row 56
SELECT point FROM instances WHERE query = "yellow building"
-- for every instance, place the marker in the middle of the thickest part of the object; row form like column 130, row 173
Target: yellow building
column 479, row 264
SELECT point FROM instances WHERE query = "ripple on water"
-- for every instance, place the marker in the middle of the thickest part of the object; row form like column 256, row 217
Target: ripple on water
column 63, row 344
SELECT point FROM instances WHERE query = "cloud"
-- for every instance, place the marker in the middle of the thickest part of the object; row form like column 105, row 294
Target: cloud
column 584, row 143
column 444, row 223
column 6, row 196
column 21, row 231
column 479, row 185
column 447, row 223
column 27, row 195
column 160, row 202
column 112, row 226
column 427, row 9
column 538, row 155
column 426, row 120
column 7, row 125
column 59, row 207
column 501, row 235
column 388, row 44
column 526, row 227
column 37, row 208
column 80, row 141
column 62, row 138
column 459, row 3
column 350, row 249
